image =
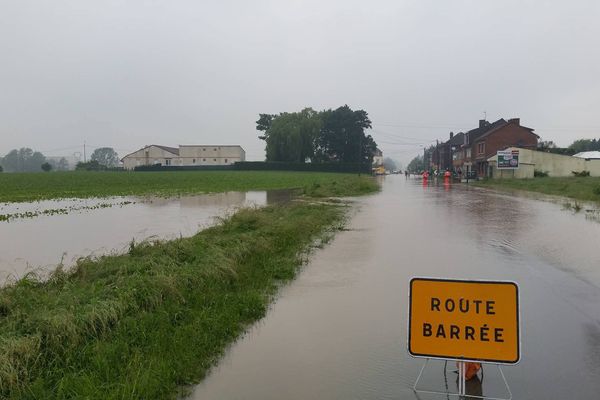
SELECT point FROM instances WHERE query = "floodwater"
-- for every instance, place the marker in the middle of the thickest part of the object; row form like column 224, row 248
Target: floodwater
column 339, row 330
column 92, row 227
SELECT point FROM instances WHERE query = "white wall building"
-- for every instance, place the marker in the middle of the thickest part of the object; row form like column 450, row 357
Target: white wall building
column 184, row 155
column 377, row 158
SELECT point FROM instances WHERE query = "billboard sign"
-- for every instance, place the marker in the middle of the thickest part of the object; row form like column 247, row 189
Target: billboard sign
column 508, row 159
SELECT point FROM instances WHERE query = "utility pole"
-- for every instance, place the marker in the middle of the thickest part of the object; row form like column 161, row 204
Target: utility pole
column 84, row 159
column 359, row 153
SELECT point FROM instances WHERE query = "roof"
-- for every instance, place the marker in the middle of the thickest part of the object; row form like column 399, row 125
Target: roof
column 457, row 139
column 588, row 154
column 483, row 130
column 172, row 150
column 500, row 124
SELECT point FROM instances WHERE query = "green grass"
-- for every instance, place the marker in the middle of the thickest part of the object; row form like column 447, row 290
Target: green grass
column 144, row 324
column 20, row 187
column 586, row 188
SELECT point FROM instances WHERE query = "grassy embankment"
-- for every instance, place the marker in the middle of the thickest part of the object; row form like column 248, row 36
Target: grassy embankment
column 144, row 324
column 585, row 188
column 39, row 186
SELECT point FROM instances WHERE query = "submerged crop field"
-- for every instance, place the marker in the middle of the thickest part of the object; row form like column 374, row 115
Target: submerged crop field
column 146, row 323
column 18, row 187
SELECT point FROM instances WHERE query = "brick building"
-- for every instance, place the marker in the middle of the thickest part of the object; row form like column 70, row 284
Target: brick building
column 469, row 151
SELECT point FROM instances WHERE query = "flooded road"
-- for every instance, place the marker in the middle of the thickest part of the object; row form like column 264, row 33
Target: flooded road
column 339, row 330
column 68, row 229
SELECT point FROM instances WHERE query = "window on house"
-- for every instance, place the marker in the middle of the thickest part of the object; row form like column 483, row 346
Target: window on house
column 215, row 149
column 167, row 161
column 214, row 159
column 194, row 161
column 204, row 159
column 225, row 161
column 203, row 149
column 480, row 148
column 468, row 153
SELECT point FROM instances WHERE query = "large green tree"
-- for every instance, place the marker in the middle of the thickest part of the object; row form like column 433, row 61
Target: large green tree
column 23, row 160
column 342, row 137
column 290, row 136
column 327, row 136
column 105, row 156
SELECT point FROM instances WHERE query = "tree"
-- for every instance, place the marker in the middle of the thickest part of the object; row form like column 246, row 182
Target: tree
column 389, row 164
column 584, row 145
column 416, row 165
column 342, row 137
column 89, row 166
column 264, row 123
column 290, row 136
column 105, row 156
column 546, row 145
column 46, row 167
column 63, row 165
column 23, row 160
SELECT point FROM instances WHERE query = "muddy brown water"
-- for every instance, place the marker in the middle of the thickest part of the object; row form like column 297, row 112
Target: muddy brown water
column 339, row 330
column 91, row 227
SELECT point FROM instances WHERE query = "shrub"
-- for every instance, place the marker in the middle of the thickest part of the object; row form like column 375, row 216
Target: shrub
column 581, row 173
column 596, row 190
column 540, row 174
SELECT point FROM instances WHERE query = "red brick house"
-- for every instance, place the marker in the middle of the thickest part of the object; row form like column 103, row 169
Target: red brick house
column 504, row 134
column 481, row 143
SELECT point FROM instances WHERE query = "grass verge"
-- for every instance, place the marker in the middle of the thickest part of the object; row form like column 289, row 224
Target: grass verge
column 585, row 188
column 19, row 187
column 143, row 324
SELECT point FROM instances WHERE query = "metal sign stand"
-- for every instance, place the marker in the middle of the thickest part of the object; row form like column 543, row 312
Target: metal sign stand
column 462, row 384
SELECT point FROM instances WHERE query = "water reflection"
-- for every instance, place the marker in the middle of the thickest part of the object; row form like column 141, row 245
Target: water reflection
column 40, row 243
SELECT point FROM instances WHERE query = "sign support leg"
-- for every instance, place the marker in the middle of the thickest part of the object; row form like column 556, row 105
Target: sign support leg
column 420, row 373
column 462, row 381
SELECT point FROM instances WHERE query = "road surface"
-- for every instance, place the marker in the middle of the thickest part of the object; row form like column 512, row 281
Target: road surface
column 339, row 330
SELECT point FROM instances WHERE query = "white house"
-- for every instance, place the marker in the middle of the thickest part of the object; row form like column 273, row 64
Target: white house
column 377, row 157
column 184, row 155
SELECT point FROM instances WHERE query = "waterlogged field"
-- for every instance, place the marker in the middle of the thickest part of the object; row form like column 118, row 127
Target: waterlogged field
column 39, row 186
column 142, row 324
column 146, row 323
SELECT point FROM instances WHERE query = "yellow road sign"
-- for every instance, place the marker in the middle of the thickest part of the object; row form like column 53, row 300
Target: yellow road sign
column 464, row 320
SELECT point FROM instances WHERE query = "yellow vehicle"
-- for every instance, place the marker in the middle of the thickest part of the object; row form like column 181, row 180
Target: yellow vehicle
column 379, row 170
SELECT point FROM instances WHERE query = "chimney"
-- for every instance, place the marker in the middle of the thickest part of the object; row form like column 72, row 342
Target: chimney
column 515, row 120
column 482, row 123
column 451, row 135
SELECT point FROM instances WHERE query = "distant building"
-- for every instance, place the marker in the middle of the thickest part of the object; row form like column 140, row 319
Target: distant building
column 471, row 150
column 377, row 158
column 184, row 155
column 589, row 155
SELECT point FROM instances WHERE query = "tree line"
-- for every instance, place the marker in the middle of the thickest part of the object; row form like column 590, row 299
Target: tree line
column 317, row 136
column 28, row 160
column 578, row 146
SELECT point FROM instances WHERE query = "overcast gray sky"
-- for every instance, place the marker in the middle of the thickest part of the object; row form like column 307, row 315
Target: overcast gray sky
column 126, row 73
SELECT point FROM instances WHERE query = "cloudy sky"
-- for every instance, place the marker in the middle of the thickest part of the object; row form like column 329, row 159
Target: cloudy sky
column 125, row 73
